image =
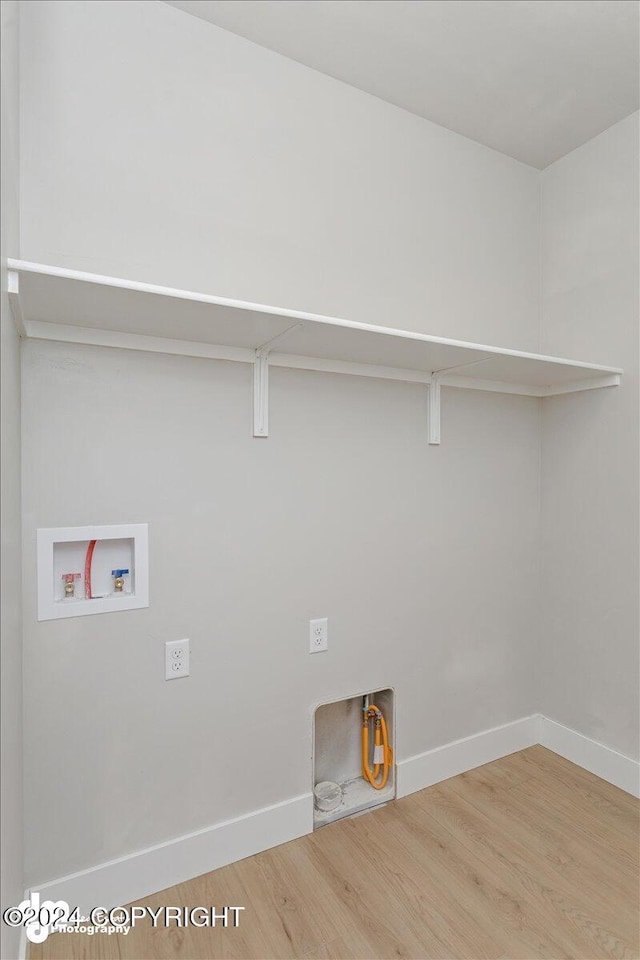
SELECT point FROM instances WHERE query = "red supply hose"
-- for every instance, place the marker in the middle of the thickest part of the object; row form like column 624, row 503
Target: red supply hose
column 87, row 569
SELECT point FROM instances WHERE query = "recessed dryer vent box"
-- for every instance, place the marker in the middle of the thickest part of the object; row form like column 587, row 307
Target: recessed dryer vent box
column 337, row 754
column 85, row 570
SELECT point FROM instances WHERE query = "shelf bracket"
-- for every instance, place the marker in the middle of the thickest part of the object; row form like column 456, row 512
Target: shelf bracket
column 261, row 394
column 261, row 382
column 433, row 412
column 433, row 415
column 13, row 291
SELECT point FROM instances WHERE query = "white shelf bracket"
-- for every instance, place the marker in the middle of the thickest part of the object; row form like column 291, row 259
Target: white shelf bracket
column 434, row 396
column 13, row 291
column 261, row 394
column 261, row 382
column 433, row 413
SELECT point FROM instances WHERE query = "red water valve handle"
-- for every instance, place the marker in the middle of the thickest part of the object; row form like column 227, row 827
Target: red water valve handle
column 69, row 583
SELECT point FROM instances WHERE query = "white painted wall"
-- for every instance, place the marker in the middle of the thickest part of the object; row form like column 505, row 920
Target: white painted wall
column 158, row 147
column 422, row 558
column 590, row 476
column 11, row 881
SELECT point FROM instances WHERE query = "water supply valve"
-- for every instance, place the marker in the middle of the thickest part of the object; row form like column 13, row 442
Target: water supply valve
column 69, row 580
column 118, row 580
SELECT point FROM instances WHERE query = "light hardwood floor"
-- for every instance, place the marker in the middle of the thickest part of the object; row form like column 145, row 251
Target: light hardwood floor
column 526, row 857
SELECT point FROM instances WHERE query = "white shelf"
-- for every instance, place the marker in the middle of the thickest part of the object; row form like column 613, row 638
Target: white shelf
column 54, row 303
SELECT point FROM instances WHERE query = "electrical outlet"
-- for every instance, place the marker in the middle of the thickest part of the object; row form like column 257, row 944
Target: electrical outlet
column 318, row 635
column 176, row 659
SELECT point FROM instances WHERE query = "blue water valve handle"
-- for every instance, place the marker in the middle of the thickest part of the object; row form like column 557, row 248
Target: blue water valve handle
column 118, row 580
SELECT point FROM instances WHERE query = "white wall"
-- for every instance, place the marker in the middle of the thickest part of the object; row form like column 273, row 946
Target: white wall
column 590, row 476
column 158, row 147
column 11, row 881
column 422, row 558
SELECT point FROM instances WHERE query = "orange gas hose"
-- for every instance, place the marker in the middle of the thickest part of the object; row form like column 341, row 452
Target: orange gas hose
column 380, row 739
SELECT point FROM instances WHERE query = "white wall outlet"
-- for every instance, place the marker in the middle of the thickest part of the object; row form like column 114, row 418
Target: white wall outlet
column 318, row 635
column 176, row 659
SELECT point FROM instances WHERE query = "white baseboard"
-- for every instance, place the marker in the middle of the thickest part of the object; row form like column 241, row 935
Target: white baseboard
column 146, row 872
column 456, row 757
column 141, row 874
column 606, row 763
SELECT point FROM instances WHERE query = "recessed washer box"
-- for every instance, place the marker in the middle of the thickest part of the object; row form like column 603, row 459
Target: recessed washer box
column 96, row 569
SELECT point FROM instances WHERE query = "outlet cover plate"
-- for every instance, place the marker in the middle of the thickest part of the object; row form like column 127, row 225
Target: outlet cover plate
column 318, row 635
column 176, row 659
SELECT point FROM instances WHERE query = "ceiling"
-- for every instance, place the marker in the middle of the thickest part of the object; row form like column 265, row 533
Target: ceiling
column 531, row 78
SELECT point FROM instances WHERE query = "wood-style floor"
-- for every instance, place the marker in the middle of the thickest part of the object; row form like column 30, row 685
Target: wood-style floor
column 526, row 857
